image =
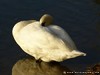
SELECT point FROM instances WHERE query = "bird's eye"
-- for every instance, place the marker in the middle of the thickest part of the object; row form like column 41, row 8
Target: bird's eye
column 43, row 24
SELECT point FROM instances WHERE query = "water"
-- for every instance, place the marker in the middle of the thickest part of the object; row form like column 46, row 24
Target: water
column 80, row 18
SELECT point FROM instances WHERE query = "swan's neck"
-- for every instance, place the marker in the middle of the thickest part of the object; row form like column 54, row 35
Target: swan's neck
column 19, row 26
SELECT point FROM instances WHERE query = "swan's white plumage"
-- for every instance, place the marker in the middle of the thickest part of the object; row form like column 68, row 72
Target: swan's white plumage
column 45, row 42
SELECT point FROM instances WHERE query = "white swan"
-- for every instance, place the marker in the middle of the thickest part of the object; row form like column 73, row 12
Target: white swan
column 45, row 41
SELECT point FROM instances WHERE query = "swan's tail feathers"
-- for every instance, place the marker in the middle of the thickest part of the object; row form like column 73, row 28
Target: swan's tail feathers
column 76, row 53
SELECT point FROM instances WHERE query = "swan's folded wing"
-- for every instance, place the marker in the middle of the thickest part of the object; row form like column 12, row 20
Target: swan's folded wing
column 61, row 33
column 41, row 39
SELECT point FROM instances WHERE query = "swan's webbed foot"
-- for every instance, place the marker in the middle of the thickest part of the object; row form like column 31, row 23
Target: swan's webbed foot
column 39, row 61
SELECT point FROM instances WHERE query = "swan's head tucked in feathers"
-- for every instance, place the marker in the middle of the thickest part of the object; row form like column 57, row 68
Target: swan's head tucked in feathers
column 45, row 41
column 46, row 20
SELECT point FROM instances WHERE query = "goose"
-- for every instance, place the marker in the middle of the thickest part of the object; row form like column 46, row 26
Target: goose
column 44, row 40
